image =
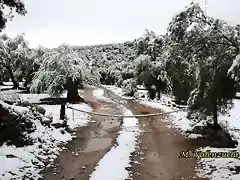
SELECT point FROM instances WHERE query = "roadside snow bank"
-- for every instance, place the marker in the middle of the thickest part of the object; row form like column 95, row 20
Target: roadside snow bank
column 178, row 119
column 28, row 162
column 113, row 165
column 76, row 119
column 99, row 94
column 232, row 121
column 80, row 119
column 218, row 168
column 224, row 168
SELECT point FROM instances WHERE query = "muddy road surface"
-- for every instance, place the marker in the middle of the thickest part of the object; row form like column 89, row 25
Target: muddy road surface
column 157, row 157
column 91, row 144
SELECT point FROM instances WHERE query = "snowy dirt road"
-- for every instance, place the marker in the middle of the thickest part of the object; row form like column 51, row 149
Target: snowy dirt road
column 157, row 157
column 91, row 144
column 160, row 147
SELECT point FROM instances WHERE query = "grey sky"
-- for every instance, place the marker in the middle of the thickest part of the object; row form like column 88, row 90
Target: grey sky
column 84, row 22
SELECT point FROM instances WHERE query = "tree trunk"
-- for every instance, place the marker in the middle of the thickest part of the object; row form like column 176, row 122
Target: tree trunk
column 28, row 79
column 72, row 92
column 215, row 115
column 158, row 92
column 62, row 112
column 15, row 83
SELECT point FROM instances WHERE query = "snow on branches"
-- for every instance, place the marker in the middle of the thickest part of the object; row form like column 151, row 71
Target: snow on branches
column 59, row 66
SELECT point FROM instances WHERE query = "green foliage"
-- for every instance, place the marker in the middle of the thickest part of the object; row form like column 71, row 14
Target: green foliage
column 152, row 75
column 5, row 15
column 60, row 67
column 150, row 44
column 129, row 87
column 207, row 46
column 13, row 52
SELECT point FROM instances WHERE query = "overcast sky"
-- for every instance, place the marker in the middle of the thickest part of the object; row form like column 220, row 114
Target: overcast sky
column 86, row 22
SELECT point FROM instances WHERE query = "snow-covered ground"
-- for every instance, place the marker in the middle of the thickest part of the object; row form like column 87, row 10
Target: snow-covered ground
column 113, row 165
column 8, row 85
column 99, row 94
column 35, row 98
column 28, row 162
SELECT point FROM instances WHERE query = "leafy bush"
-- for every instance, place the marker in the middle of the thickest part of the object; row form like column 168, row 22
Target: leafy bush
column 129, row 87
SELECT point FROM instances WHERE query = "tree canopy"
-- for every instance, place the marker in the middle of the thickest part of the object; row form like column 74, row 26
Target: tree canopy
column 63, row 69
column 11, row 7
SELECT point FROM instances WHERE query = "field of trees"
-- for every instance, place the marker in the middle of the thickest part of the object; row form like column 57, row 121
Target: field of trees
column 196, row 63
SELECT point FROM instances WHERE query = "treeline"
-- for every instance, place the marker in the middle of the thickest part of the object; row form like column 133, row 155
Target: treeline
column 197, row 61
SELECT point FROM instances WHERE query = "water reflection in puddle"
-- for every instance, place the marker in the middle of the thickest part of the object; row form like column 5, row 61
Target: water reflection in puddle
column 97, row 144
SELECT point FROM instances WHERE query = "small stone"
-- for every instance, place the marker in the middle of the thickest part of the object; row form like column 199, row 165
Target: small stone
column 83, row 167
column 136, row 162
column 11, row 156
column 63, row 132
column 128, row 168
column 46, row 121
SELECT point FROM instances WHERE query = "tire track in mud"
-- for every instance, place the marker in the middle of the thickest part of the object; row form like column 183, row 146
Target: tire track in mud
column 159, row 150
column 156, row 158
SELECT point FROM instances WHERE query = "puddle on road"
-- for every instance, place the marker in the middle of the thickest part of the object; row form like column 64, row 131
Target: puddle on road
column 108, row 124
column 97, row 144
column 98, row 134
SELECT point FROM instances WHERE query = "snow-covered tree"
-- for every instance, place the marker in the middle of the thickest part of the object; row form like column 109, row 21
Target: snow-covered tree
column 7, row 8
column 181, row 69
column 63, row 69
column 13, row 52
column 150, row 44
column 153, row 75
column 32, row 64
column 129, row 87
column 209, row 45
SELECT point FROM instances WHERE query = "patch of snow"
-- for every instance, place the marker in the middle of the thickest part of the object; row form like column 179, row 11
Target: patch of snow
column 232, row 122
column 28, row 162
column 120, row 155
column 78, row 119
column 33, row 98
column 235, row 63
column 10, row 95
column 52, row 111
column 142, row 94
column 8, row 83
column 178, row 119
column 218, row 168
column 116, row 90
column 238, row 94
column 5, row 87
column 99, row 94
column 18, row 109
